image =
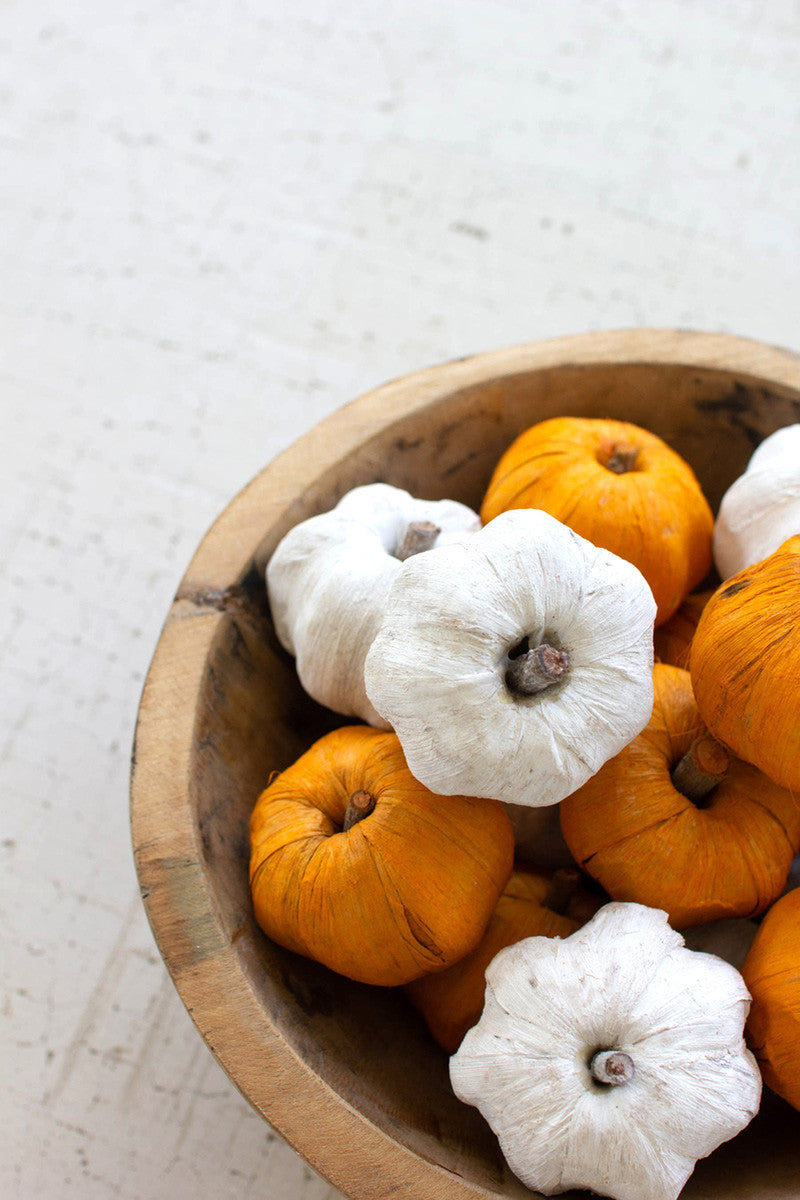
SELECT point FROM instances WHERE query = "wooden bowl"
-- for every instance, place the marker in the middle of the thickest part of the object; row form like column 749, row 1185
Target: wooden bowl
column 347, row 1073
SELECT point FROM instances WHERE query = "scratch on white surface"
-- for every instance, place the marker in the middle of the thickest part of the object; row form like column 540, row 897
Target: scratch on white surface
column 97, row 1004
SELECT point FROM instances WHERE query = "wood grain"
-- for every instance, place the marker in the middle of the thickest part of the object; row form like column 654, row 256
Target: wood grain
column 347, row 1073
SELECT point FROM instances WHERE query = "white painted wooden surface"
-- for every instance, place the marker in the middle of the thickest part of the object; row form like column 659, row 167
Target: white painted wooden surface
column 219, row 222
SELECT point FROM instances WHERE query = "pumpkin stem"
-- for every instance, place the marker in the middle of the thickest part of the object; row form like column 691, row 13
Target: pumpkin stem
column 419, row 536
column 561, row 890
column 537, row 670
column 622, row 458
column 612, row 1066
column 360, row 805
column 702, row 767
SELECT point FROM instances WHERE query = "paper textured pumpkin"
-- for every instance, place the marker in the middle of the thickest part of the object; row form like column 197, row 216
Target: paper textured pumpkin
column 761, row 509
column 621, row 487
column 723, row 850
column 611, row 1060
column 514, row 663
column 772, row 973
column 329, row 578
column 745, row 664
column 357, row 865
column 534, row 902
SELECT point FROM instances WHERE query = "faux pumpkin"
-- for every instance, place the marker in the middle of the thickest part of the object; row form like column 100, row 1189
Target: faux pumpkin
column 357, row 865
column 514, row 663
column 633, row 827
column 745, row 664
column 621, row 487
column 761, row 509
column 772, row 973
column 534, row 902
column 673, row 639
column 611, row 1060
column 329, row 578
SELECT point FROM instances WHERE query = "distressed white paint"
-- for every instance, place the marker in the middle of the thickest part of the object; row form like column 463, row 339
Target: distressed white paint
column 219, row 222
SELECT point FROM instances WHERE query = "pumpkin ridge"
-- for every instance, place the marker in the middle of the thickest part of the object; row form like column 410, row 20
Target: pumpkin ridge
column 422, row 934
column 791, row 843
column 522, row 465
column 391, row 889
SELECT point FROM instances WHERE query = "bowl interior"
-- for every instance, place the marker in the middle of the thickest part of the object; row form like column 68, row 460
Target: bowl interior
column 367, row 1044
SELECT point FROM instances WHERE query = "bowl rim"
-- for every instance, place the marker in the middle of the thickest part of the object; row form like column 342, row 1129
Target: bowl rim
column 351, row 1151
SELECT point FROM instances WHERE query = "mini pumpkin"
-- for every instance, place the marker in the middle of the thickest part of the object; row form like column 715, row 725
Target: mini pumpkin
column 514, row 663
column 761, row 509
column 621, row 487
column 534, row 902
column 772, row 973
column 673, row 639
column 329, row 578
column 611, row 1060
column 745, row 664
column 357, row 865
column 676, row 823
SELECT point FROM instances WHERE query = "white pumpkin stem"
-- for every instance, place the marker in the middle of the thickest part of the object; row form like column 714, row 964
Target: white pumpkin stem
column 622, row 459
column 419, row 536
column 537, row 670
column 612, row 1066
column 360, row 805
column 702, row 767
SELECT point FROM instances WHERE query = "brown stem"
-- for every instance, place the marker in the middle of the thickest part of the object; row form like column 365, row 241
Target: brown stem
column 562, row 888
column 419, row 536
column 612, row 1066
column 622, row 458
column 361, row 804
column 702, row 767
column 537, row 670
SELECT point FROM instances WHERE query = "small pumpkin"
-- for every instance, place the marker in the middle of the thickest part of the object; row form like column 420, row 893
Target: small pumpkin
column 673, row 639
column 745, row 664
column 611, row 1060
column 761, row 509
column 514, row 663
column 651, row 830
column 619, row 486
column 357, row 865
column 772, row 974
column 329, row 578
column 534, row 902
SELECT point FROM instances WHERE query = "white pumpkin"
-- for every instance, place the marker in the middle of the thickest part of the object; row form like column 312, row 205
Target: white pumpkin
column 329, row 578
column 611, row 1060
column 514, row 663
column 761, row 509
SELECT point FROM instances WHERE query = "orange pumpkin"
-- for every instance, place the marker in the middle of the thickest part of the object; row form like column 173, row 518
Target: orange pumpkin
column 724, row 854
column 357, row 865
column 534, row 903
column 620, row 487
column 745, row 664
column 673, row 639
column 772, row 974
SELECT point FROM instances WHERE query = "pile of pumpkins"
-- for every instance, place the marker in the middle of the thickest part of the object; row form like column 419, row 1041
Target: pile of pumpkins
column 531, row 807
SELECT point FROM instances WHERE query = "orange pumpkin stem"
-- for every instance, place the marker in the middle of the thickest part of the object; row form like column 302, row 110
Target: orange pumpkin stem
column 419, row 536
column 702, row 767
column 536, row 670
column 361, row 804
column 612, row 1066
column 622, row 458
column 562, row 888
